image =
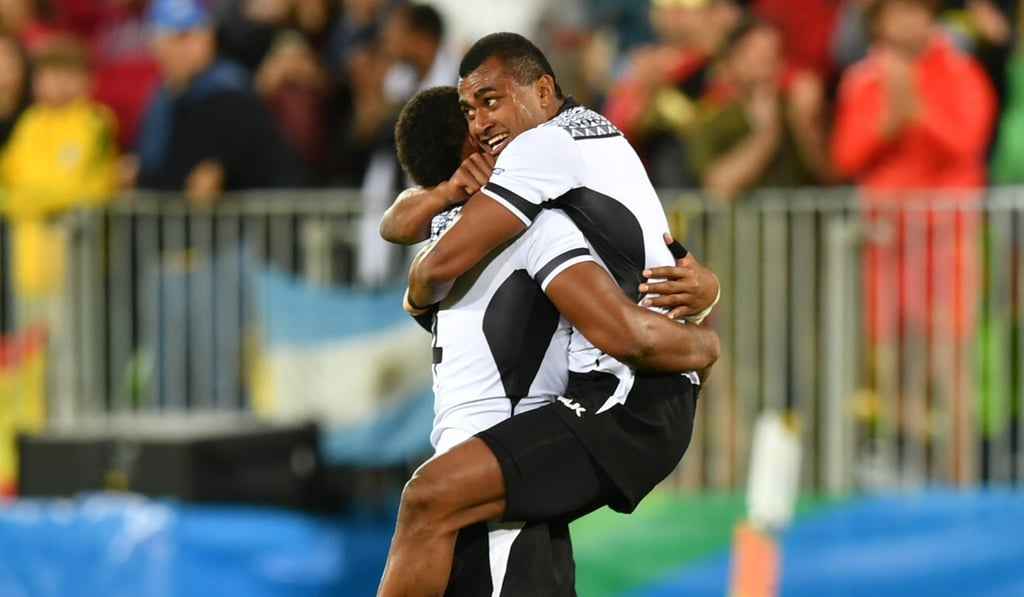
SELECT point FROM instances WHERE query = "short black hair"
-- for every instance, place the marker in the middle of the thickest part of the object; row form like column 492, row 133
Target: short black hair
column 430, row 134
column 423, row 18
column 521, row 58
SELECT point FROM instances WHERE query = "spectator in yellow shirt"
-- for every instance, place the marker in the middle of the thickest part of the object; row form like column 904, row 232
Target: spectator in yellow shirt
column 60, row 155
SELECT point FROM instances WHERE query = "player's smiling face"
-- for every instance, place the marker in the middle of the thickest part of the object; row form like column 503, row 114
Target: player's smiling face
column 497, row 108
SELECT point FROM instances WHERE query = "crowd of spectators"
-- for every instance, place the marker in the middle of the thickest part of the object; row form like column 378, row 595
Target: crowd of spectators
column 206, row 96
column 723, row 94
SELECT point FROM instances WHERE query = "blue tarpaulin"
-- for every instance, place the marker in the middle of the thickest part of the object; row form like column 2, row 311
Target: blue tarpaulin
column 936, row 542
column 123, row 545
column 931, row 543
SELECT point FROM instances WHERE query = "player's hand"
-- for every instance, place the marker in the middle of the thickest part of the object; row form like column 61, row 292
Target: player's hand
column 687, row 287
column 471, row 176
column 411, row 310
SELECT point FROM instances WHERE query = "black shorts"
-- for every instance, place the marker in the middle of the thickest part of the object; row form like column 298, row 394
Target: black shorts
column 565, row 460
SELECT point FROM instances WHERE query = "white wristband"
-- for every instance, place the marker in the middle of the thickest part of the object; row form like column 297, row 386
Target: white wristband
column 699, row 317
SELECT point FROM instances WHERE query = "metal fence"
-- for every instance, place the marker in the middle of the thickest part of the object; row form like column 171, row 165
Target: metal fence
column 886, row 325
column 149, row 313
column 891, row 334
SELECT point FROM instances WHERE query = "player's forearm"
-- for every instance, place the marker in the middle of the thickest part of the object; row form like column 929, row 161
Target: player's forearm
column 650, row 341
column 640, row 337
column 428, row 284
column 407, row 221
column 481, row 227
column 664, row 345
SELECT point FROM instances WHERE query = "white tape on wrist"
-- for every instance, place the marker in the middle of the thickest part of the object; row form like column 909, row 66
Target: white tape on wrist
column 700, row 317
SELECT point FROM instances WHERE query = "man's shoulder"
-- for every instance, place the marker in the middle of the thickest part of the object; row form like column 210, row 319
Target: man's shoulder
column 541, row 137
column 582, row 123
column 558, row 135
column 546, row 148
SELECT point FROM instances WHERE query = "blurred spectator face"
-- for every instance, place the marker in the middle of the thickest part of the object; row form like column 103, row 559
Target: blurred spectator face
column 905, row 25
column 394, row 38
column 183, row 39
column 12, row 69
column 59, row 85
column 184, row 54
column 409, row 33
column 756, row 59
column 60, row 72
column 679, row 22
column 295, row 60
column 268, row 11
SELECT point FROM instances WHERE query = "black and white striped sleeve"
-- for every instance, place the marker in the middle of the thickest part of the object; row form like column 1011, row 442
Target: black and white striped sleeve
column 554, row 245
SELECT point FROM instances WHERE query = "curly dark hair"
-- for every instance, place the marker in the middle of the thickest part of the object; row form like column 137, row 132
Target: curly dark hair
column 430, row 134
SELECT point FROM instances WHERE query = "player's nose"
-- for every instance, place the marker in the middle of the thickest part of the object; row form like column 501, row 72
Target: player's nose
column 478, row 128
column 480, row 124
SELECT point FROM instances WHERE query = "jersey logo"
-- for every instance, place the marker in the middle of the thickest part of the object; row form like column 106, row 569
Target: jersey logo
column 572, row 405
column 497, row 171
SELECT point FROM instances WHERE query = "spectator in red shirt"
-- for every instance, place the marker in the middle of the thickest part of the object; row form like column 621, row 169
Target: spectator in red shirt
column 912, row 123
column 901, row 122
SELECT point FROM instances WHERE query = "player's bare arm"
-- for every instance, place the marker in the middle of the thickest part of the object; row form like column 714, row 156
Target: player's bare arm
column 407, row 221
column 588, row 297
column 482, row 225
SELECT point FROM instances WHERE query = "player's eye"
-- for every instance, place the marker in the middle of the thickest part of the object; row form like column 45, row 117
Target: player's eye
column 490, row 102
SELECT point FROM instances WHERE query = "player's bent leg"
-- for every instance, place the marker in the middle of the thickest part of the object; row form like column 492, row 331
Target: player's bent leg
column 448, row 492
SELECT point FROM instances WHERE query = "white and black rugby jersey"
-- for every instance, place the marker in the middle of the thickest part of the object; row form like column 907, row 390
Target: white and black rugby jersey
column 500, row 346
column 581, row 164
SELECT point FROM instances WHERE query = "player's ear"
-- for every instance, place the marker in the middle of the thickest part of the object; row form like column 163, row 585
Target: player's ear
column 545, row 87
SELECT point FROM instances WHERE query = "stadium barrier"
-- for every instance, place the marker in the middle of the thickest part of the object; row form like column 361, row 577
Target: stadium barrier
column 886, row 329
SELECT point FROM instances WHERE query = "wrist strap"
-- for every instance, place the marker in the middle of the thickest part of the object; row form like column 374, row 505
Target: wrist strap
column 408, row 300
column 699, row 317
